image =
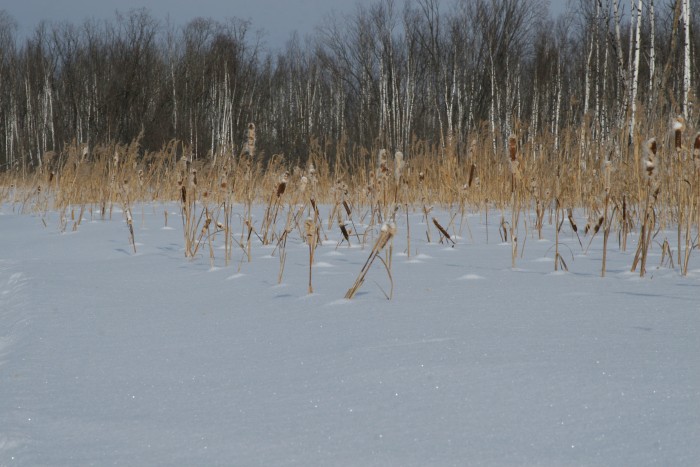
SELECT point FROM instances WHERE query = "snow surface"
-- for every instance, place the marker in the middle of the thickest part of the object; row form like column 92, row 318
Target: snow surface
column 114, row 358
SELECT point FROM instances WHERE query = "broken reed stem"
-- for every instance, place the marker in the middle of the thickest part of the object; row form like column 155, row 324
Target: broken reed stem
column 444, row 232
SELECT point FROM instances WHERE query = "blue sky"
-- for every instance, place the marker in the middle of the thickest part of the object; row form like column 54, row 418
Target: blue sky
column 278, row 18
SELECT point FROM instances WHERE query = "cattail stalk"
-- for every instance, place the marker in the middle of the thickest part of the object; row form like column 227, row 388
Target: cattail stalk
column 311, row 237
column 649, row 215
column 606, row 225
column 386, row 234
column 514, row 202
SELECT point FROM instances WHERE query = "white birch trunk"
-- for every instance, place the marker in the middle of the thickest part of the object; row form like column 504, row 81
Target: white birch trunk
column 686, row 59
column 558, row 106
column 492, row 112
column 652, row 53
column 620, row 61
column 587, row 82
column 635, row 70
column 597, row 62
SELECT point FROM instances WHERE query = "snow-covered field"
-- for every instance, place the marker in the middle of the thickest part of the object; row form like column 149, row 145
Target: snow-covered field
column 114, row 358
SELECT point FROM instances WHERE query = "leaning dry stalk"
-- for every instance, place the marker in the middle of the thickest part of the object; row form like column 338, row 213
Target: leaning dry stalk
column 606, row 223
column 572, row 223
column 443, row 232
column 387, row 233
column 310, row 231
column 127, row 214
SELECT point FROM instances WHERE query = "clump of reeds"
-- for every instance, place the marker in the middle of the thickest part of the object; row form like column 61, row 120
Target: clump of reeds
column 191, row 219
column 652, row 189
column 693, row 202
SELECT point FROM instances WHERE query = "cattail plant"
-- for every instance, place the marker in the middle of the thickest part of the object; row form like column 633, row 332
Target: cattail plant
column 311, row 233
column 515, row 177
column 652, row 187
column 677, row 127
column 402, row 185
column 443, row 232
column 558, row 258
column 270, row 218
column 127, row 213
column 693, row 202
column 191, row 221
column 572, row 223
column 607, row 169
column 387, row 232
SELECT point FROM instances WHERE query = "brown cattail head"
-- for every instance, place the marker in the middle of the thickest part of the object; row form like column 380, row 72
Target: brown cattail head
column 696, row 150
column 513, row 153
column 472, row 171
column 678, row 126
column 598, row 224
column 309, row 228
column 512, row 148
column 570, row 216
column 344, row 230
column 282, row 185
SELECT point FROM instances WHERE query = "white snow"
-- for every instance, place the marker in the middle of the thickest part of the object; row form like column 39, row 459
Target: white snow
column 109, row 357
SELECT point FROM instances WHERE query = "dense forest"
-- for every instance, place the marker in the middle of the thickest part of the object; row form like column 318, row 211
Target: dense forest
column 387, row 75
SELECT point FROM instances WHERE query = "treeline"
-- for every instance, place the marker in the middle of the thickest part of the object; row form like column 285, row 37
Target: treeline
column 382, row 76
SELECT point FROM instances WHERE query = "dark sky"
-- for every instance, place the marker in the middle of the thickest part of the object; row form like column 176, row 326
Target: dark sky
column 277, row 18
